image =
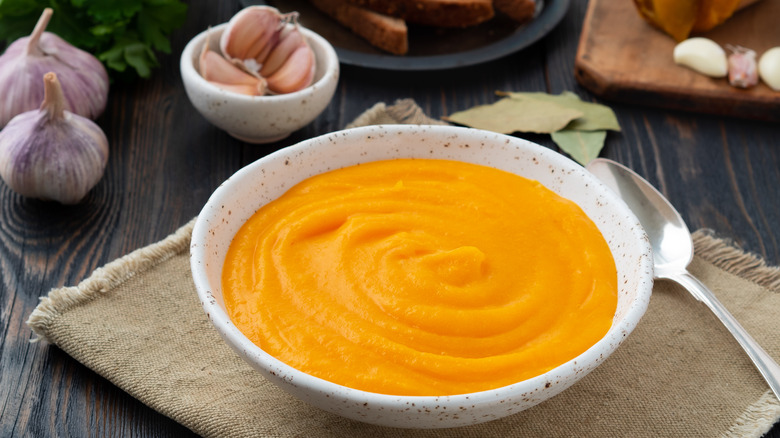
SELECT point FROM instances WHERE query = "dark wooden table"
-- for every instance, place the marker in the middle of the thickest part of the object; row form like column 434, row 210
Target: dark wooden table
column 722, row 173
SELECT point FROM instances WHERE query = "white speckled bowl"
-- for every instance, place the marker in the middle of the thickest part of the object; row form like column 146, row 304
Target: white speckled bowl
column 264, row 180
column 260, row 119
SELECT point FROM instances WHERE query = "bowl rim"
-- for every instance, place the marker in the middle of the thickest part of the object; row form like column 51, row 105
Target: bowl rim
column 320, row 45
column 591, row 358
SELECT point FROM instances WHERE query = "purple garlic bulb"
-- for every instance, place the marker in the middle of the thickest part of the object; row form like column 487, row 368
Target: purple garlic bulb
column 51, row 153
column 27, row 59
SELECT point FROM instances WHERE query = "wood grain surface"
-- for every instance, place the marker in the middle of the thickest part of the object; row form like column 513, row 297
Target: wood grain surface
column 622, row 58
column 165, row 160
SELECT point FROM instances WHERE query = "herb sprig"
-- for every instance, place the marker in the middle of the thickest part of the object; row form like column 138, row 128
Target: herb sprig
column 125, row 35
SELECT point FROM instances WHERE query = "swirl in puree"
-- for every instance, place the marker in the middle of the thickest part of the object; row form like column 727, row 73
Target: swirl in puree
column 421, row 277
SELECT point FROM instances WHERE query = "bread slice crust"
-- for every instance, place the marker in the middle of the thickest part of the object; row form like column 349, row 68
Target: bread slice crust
column 518, row 10
column 442, row 13
column 382, row 31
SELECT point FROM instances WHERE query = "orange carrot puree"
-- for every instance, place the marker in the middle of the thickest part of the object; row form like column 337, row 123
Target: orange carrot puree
column 421, row 277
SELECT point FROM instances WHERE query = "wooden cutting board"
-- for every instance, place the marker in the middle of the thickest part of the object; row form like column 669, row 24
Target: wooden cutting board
column 620, row 57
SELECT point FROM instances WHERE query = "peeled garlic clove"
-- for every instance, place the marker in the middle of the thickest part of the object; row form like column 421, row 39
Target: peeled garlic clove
column 769, row 68
column 702, row 55
column 743, row 72
column 27, row 59
column 51, row 153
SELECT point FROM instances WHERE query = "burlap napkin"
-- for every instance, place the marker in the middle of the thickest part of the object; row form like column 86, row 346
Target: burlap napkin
column 137, row 321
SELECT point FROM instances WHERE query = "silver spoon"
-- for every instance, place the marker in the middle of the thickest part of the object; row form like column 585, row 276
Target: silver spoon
column 673, row 251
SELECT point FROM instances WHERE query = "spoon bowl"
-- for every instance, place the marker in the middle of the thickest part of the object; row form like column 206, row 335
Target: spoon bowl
column 673, row 251
column 669, row 236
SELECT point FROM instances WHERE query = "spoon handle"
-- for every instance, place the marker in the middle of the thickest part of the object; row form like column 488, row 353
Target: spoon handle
column 765, row 364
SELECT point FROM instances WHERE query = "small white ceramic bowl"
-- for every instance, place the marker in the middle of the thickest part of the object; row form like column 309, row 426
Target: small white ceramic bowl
column 266, row 179
column 260, row 119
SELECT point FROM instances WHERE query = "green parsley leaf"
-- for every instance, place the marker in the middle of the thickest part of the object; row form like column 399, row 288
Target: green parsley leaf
column 125, row 35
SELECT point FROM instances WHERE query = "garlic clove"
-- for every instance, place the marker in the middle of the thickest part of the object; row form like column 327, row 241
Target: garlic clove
column 27, row 59
column 252, row 33
column 262, row 37
column 769, row 68
column 215, row 68
column 264, row 44
column 250, row 90
column 295, row 74
column 743, row 72
column 702, row 55
column 51, row 153
column 289, row 40
column 226, row 75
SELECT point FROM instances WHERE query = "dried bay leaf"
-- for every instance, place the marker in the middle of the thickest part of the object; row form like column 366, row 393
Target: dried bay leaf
column 595, row 116
column 517, row 115
column 582, row 137
column 582, row 146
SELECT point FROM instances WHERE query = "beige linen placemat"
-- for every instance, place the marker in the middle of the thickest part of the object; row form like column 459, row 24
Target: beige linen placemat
column 138, row 322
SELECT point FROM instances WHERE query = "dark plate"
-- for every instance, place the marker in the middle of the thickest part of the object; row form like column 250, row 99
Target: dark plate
column 431, row 48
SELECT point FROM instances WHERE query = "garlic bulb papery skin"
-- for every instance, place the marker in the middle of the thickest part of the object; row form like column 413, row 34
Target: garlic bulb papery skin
column 51, row 153
column 743, row 72
column 83, row 76
column 702, row 55
column 769, row 68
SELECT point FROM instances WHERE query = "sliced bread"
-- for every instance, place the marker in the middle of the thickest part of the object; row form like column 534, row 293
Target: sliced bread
column 381, row 31
column 518, row 10
column 443, row 13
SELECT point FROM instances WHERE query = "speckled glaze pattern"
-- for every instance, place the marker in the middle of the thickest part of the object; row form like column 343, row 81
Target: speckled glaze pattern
column 259, row 119
column 264, row 180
